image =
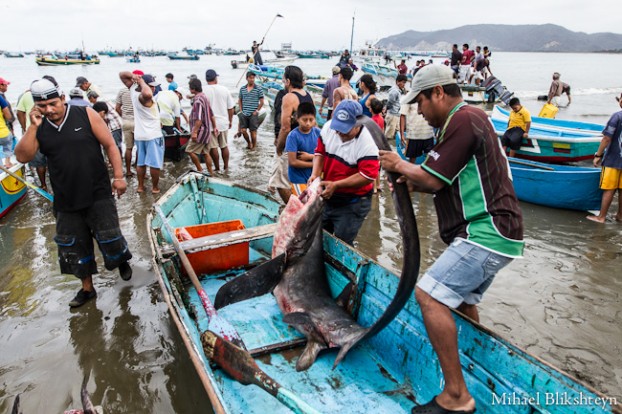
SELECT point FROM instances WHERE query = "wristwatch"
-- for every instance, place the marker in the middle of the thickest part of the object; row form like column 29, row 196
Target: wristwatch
column 598, row 156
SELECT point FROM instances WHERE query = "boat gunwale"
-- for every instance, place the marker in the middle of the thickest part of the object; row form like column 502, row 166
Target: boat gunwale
column 209, row 381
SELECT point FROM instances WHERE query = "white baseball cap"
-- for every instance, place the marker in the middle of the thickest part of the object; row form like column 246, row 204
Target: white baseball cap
column 428, row 77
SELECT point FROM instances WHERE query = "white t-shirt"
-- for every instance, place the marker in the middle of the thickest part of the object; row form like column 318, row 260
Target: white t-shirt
column 416, row 125
column 221, row 101
column 146, row 120
column 170, row 108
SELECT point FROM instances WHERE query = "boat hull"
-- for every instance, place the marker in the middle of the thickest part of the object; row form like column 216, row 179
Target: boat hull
column 553, row 146
column 65, row 62
column 11, row 190
column 557, row 186
column 386, row 373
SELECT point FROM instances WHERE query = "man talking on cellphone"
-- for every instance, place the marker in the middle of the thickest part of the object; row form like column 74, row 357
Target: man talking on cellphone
column 72, row 139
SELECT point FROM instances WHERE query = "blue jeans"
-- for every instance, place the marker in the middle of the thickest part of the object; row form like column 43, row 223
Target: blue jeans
column 345, row 221
column 462, row 273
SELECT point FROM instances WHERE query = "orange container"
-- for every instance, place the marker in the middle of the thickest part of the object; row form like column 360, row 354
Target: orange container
column 218, row 259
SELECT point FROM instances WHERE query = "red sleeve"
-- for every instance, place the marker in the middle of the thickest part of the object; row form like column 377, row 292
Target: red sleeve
column 369, row 168
column 320, row 149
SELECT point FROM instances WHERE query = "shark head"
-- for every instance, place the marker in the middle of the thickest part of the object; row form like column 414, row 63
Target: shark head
column 299, row 222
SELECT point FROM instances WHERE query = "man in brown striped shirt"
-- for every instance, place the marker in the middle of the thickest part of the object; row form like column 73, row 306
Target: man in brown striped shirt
column 478, row 216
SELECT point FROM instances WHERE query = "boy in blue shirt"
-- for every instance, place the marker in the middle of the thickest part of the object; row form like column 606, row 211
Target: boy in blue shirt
column 300, row 147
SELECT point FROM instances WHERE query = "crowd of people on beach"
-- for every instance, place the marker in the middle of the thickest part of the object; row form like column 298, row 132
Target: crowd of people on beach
column 478, row 219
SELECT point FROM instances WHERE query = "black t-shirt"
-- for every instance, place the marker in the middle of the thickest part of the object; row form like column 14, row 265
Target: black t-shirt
column 78, row 172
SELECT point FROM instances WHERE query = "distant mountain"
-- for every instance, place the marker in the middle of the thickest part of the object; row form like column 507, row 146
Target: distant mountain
column 508, row 38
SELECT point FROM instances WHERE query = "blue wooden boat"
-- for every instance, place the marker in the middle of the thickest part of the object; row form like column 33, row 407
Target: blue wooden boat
column 586, row 128
column 11, row 190
column 558, row 186
column 132, row 59
column 546, row 144
column 175, row 56
column 386, row 374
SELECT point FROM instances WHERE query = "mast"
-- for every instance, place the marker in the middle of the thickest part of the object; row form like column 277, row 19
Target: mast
column 352, row 33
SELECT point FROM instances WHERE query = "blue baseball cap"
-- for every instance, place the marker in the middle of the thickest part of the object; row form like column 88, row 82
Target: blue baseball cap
column 344, row 116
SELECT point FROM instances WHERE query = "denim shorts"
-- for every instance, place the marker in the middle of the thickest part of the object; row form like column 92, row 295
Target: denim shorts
column 150, row 153
column 462, row 273
column 6, row 146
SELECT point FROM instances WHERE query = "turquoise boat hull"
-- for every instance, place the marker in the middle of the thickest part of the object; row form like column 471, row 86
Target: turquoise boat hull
column 387, row 374
column 561, row 124
column 558, row 186
column 11, row 190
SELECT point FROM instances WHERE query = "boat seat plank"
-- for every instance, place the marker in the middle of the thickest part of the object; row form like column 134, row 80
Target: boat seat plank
column 222, row 239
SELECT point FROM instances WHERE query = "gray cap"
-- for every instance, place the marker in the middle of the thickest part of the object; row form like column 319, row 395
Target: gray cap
column 92, row 94
column 428, row 77
column 76, row 93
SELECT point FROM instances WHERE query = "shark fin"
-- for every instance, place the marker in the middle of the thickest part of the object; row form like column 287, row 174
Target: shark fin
column 351, row 342
column 308, row 356
column 256, row 282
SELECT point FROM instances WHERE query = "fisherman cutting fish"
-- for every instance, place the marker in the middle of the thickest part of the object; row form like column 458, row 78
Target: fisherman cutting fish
column 479, row 218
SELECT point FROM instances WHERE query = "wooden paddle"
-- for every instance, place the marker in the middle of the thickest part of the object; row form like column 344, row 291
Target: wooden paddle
column 215, row 322
column 28, row 184
column 529, row 164
column 239, row 364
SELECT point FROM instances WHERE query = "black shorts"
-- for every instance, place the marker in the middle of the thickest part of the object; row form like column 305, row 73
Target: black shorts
column 417, row 147
column 513, row 138
column 74, row 236
column 250, row 122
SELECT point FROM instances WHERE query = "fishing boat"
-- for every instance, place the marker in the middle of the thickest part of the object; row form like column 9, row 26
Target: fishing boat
column 175, row 56
column 546, row 144
column 382, row 74
column 585, row 128
column 13, row 55
column 559, row 186
column 132, row 59
column 12, row 190
column 388, row 373
column 53, row 60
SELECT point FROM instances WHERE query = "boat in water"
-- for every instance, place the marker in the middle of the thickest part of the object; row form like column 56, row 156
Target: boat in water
column 54, row 60
column 388, row 373
column 175, row 56
column 585, row 128
column 548, row 144
column 558, row 186
column 11, row 189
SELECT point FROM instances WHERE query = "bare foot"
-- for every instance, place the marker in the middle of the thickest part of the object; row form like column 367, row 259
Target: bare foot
column 155, row 191
column 9, row 165
column 140, row 190
column 619, row 219
column 129, row 174
column 596, row 219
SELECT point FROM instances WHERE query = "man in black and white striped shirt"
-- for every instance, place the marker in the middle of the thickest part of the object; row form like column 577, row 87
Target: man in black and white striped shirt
column 250, row 102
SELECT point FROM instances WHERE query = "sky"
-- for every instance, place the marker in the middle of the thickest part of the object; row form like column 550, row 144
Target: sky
column 317, row 24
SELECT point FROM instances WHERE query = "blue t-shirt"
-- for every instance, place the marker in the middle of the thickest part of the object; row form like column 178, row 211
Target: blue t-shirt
column 3, row 103
column 297, row 141
column 613, row 153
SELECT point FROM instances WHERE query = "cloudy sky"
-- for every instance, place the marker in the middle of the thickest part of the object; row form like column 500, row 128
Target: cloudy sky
column 316, row 24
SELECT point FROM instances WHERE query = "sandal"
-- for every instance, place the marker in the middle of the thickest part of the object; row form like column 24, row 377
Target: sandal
column 432, row 407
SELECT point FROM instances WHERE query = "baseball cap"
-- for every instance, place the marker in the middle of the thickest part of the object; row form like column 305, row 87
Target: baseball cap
column 344, row 116
column 172, row 86
column 138, row 72
column 428, row 77
column 336, row 70
column 43, row 90
column 210, row 75
column 150, row 80
column 92, row 94
column 80, row 80
column 76, row 92
column 193, row 76
column 4, row 82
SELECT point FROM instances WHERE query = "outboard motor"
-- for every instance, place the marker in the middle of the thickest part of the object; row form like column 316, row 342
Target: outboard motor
column 494, row 88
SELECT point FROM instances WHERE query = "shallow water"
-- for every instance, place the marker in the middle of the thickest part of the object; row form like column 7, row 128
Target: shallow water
column 561, row 302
